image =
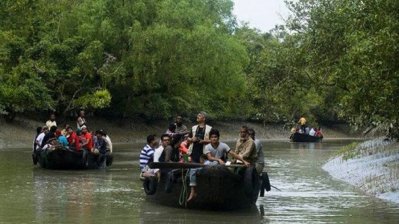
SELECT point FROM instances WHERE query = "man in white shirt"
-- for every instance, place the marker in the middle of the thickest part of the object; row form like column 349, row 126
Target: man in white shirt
column 40, row 137
column 51, row 122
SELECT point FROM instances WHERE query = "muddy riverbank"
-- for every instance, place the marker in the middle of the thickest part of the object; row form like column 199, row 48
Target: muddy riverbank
column 372, row 166
column 20, row 132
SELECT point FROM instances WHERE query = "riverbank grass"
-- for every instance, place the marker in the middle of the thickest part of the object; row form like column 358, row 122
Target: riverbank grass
column 372, row 166
column 349, row 151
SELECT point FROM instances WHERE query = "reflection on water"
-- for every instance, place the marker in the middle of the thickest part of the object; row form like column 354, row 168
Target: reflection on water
column 154, row 213
column 308, row 194
column 75, row 197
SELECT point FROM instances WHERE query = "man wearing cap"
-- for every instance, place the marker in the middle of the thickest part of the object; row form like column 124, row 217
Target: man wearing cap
column 200, row 137
column 88, row 137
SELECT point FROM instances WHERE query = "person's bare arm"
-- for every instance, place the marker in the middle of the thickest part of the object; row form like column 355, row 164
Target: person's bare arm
column 211, row 158
column 205, row 141
column 238, row 157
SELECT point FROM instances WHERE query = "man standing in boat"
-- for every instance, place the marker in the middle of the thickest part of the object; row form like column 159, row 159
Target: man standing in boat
column 302, row 123
column 51, row 122
column 180, row 127
column 181, row 132
column 200, row 137
column 260, row 162
column 81, row 120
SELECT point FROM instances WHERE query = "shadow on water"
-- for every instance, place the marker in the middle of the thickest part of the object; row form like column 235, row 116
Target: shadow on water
column 151, row 212
column 306, row 145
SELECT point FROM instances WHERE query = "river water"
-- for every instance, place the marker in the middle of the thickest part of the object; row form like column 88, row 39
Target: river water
column 308, row 194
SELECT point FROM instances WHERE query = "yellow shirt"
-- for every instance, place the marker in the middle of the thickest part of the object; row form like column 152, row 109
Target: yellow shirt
column 302, row 121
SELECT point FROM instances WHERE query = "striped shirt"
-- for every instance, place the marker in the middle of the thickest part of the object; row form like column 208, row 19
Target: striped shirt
column 146, row 155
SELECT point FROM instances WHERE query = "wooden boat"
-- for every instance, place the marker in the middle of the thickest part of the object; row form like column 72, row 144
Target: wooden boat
column 63, row 158
column 297, row 137
column 218, row 187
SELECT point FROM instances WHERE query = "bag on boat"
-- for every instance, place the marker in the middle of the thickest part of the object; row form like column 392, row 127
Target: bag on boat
column 265, row 184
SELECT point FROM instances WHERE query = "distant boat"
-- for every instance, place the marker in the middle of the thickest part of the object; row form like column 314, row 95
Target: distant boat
column 218, row 187
column 297, row 137
column 62, row 158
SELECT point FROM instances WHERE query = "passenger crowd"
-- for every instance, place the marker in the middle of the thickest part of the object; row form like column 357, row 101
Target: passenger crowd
column 200, row 144
column 303, row 128
column 50, row 137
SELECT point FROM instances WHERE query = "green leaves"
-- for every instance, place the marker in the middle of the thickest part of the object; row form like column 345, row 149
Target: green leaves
column 144, row 58
column 24, row 91
column 96, row 100
column 349, row 49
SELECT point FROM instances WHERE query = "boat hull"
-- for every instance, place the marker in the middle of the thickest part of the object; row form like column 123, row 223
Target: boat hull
column 297, row 137
column 61, row 158
column 218, row 188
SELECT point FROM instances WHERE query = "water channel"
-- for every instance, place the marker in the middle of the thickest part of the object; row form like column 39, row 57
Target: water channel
column 308, row 194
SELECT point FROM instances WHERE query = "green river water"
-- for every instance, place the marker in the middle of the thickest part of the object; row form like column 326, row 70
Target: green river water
column 308, row 194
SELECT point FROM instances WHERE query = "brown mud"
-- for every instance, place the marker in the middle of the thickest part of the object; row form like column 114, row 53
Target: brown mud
column 20, row 132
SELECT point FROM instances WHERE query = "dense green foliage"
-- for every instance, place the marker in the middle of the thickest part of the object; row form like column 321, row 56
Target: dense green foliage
column 351, row 49
column 335, row 60
column 135, row 58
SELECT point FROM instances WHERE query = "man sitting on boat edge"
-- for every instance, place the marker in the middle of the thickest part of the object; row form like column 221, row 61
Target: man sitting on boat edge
column 165, row 152
column 102, row 147
column 245, row 147
column 73, row 140
column 147, row 156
